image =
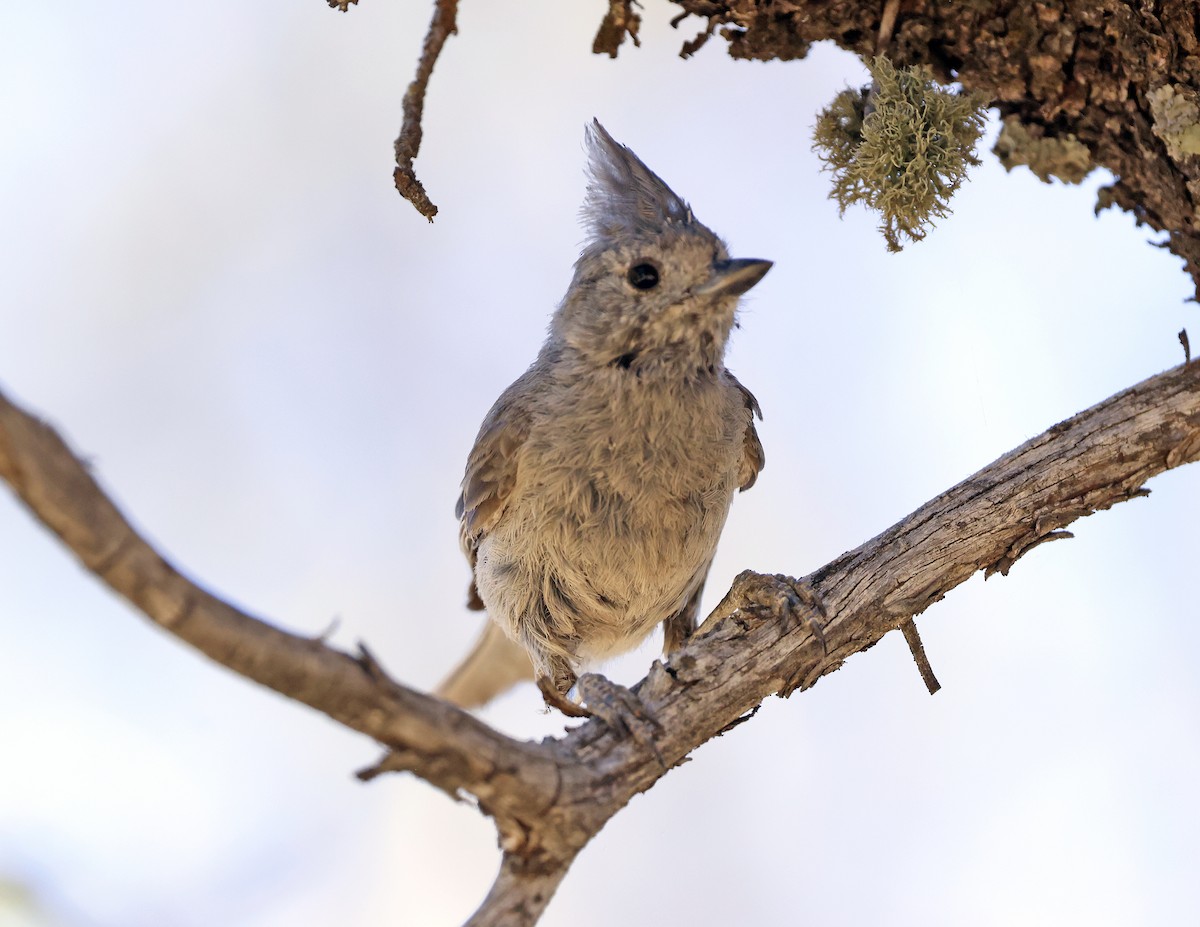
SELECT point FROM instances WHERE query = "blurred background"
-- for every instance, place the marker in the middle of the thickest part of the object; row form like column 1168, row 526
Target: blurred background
column 208, row 283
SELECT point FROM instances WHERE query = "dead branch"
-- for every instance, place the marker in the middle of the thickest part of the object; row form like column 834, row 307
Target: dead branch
column 917, row 648
column 408, row 143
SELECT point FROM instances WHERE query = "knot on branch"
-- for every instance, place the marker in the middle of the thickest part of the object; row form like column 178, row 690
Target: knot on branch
column 1185, row 451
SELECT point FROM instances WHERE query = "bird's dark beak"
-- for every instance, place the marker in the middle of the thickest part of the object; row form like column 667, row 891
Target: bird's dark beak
column 733, row 278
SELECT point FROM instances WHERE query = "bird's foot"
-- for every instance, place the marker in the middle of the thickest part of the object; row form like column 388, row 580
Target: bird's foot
column 782, row 594
column 621, row 709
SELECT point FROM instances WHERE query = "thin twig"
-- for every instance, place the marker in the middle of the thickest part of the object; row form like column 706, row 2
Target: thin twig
column 408, row 143
column 913, row 637
column 887, row 25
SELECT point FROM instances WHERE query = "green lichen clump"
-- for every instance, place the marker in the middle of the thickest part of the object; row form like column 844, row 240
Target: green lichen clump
column 1066, row 158
column 901, row 147
column 1176, row 120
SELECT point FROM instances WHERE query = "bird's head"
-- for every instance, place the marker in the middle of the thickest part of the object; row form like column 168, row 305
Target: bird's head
column 653, row 288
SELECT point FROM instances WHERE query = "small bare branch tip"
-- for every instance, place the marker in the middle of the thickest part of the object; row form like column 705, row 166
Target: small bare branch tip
column 1187, row 348
column 413, row 190
column 408, row 143
column 371, row 666
column 370, row 773
column 913, row 637
column 342, row 5
column 397, row 761
column 331, row 629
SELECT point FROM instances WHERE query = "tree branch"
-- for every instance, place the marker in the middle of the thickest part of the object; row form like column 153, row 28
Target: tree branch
column 520, row 893
column 1069, row 72
column 549, row 799
column 408, row 143
column 437, row 741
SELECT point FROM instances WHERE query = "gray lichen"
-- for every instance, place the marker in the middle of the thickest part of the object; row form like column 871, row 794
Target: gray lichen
column 901, row 147
column 1176, row 119
column 1064, row 157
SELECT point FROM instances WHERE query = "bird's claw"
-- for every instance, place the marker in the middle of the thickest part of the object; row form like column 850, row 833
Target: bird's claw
column 782, row 594
column 620, row 709
column 556, row 699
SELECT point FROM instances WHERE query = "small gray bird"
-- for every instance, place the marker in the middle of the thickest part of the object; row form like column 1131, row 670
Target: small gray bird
column 600, row 480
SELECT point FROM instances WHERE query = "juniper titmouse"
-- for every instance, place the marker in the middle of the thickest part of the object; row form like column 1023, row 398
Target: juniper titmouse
column 600, row 480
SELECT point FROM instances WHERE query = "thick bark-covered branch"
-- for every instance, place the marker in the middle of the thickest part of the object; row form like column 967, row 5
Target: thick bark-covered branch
column 549, row 799
column 1066, row 69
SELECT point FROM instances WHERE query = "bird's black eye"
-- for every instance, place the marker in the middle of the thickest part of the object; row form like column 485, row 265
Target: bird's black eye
column 643, row 276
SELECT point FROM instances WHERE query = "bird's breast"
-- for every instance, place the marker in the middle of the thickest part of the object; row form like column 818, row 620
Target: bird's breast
column 618, row 505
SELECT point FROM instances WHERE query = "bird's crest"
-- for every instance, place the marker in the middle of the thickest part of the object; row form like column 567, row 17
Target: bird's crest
column 625, row 199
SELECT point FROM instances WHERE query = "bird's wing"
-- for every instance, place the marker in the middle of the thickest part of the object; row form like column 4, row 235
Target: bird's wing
column 495, row 663
column 679, row 627
column 753, row 458
column 491, row 475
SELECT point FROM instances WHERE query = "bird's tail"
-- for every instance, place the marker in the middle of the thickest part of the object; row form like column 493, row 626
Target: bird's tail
column 494, row 665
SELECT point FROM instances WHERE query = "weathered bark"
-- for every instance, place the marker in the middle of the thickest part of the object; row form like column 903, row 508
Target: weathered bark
column 549, row 799
column 1062, row 67
column 448, row 747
